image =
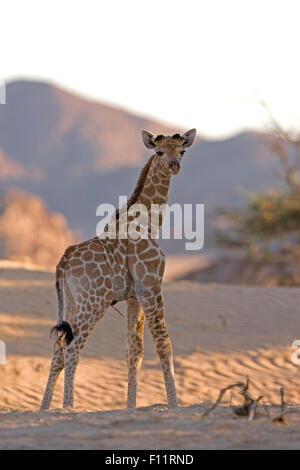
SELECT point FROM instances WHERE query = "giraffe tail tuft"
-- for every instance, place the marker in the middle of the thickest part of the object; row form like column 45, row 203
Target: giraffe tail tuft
column 65, row 327
column 61, row 325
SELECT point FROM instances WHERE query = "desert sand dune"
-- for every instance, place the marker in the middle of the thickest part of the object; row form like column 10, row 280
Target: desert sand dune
column 220, row 334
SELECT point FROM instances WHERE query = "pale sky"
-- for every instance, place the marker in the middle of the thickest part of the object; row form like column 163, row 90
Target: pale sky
column 194, row 63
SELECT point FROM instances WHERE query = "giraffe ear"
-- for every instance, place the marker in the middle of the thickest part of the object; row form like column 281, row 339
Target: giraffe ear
column 148, row 139
column 189, row 138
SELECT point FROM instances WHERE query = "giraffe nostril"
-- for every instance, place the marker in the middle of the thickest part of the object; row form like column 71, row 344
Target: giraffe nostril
column 173, row 163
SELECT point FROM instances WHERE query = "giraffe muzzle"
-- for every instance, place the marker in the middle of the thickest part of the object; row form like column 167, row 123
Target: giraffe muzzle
column 174, row 165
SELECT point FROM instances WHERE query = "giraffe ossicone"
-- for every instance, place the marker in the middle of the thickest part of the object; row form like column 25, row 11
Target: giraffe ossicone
column 98, row 273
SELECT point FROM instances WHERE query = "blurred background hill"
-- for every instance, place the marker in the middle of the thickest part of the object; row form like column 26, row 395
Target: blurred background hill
column 29, row 232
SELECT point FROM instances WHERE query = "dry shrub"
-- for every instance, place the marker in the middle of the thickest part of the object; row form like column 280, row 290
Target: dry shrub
column 269, row 227
column 28, row 230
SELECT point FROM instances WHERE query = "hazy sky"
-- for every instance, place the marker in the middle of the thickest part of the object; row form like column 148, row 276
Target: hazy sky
column 195, row 63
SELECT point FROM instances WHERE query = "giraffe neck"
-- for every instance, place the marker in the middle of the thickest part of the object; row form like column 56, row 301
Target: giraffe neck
column 155, row 189
column 152, row 188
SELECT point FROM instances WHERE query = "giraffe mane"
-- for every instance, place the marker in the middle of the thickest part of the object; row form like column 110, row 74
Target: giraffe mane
column 140, row 182
column 138, row 187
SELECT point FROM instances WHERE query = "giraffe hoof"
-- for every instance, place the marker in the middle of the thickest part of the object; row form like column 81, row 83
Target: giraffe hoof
column 173, row 405
column 131, row 407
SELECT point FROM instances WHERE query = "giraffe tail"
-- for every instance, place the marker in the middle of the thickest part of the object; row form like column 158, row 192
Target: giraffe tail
column 61, row 325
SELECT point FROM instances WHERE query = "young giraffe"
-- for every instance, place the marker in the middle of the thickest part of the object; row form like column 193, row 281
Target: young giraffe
column 97, row 273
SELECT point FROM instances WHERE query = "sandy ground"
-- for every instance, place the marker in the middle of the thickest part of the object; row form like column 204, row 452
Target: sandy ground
column 220, row 334
column 178, row 266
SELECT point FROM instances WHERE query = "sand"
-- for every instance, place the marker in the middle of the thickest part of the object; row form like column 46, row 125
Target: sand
column 220, row 334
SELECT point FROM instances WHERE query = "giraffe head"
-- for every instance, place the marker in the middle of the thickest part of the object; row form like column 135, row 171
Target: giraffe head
column 169, row 149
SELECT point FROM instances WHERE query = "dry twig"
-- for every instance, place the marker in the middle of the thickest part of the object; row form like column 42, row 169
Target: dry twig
column 281, row 417
column 252, row 408
column 229, row 387
column 249, row 406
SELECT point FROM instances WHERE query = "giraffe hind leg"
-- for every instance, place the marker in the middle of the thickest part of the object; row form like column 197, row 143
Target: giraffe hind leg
column 82, row 329
column 58, row 360
column 57, row 365
column 72, row 355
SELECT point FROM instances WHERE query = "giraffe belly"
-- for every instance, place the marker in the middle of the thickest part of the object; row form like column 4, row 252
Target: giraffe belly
column 122, row 288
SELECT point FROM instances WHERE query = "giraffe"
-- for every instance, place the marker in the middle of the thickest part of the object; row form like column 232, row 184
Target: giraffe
column 98, row 273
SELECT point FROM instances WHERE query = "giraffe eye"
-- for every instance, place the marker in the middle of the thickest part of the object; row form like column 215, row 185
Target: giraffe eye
column 182, row 152
column 159, row 153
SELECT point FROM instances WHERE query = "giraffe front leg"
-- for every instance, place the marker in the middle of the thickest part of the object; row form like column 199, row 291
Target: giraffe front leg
column 154, row 309
column 57, row 365
column 135, row 347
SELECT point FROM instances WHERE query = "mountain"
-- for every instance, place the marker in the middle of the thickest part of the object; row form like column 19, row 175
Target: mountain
column 76, row 154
